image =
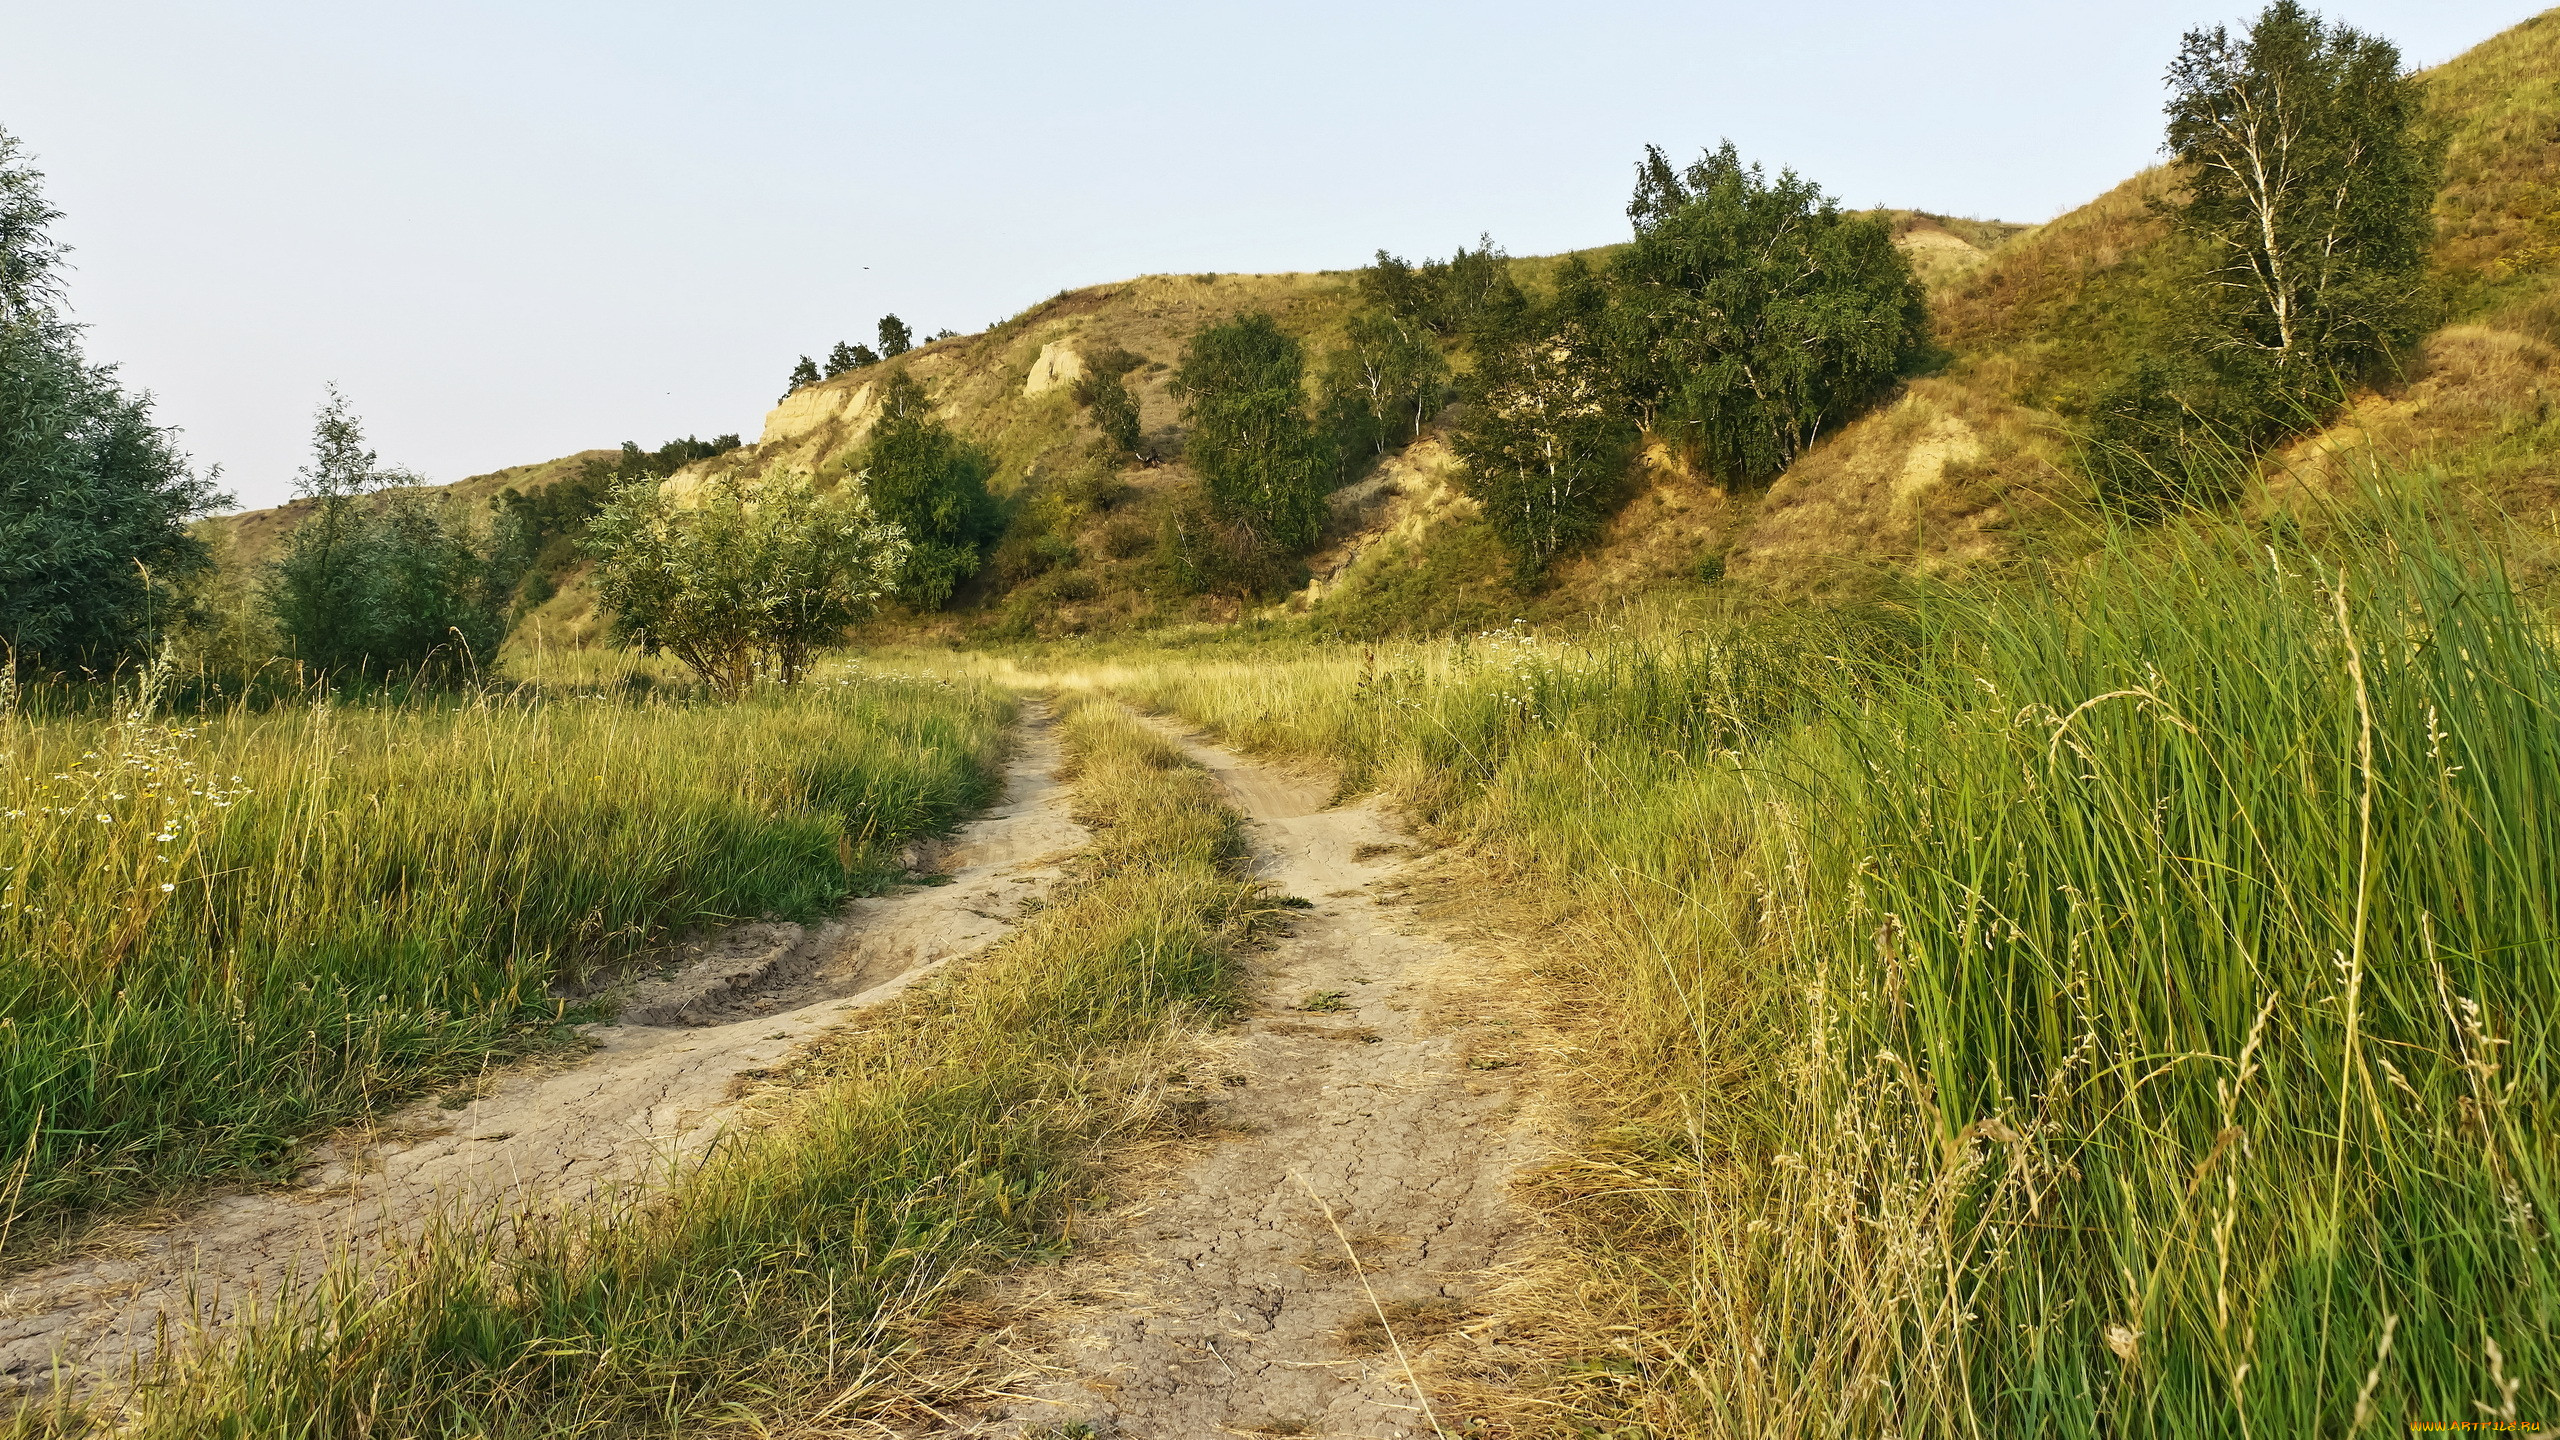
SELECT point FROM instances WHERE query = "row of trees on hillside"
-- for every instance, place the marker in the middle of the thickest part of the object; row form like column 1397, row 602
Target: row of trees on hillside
column 95, row 495
column 895, row 340
column 548, row 522
column 385, row 577
column 1749, row 317
column 560, row 507
column 740, row 574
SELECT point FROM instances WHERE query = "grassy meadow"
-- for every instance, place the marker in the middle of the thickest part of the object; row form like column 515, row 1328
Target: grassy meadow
column 227, row 928
column 768, row 1289
column 2116, row 1000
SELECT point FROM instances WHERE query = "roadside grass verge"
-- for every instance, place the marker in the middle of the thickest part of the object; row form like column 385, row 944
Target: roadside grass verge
column 949, row 1131
column 2120, row 1001
column 226, row 931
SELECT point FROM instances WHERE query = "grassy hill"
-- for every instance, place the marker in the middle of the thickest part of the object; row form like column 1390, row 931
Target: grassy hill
column 1083, row 558
column 257, row 535
column 1971, row 462
column 1968, row 466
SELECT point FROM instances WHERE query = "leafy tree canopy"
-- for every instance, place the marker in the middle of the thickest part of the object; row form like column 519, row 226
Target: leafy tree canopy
column 1545, row 434
column 1754, row 316
column 1382, row 383
column 748, row 578
column 933, row 486
column 1468, row 296
column 803, row 375
column 1243, row 387
column 895, row 338
column 30, row 258
column 2310, row 182
column 846, row 357
column 380, row 579
column 94, row 496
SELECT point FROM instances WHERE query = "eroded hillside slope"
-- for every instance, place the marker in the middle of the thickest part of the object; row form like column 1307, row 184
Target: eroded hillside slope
column 1010, row 389
column 1971, row 463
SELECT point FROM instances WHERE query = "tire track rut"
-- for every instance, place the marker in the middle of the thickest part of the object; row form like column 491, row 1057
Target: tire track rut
column 647, row 1100
column 1223, row 1299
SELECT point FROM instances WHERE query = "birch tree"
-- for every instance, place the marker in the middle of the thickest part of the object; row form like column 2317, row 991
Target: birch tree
column 2309, row 182
column 1383, row 382
column 1544, row 443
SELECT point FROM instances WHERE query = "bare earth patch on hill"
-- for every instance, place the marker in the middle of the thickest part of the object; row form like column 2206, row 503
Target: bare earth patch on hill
column 680, row 1069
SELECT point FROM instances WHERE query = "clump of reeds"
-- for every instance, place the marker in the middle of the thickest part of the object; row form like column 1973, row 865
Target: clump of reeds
column 2116, row 1001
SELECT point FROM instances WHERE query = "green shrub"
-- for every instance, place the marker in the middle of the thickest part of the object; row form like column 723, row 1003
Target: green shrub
column 1754, row 315
column 932, row 485
column 1104, row 394
column 1243, row 387
column 748, row 580
column 381, row 579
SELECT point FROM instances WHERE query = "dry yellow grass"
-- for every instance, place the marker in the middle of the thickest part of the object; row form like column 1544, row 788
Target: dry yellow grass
column 2498, row 215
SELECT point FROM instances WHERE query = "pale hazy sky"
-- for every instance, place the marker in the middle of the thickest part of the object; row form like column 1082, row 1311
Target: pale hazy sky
column 511, row 231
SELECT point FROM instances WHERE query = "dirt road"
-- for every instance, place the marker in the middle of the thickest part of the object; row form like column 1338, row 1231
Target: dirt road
column 659, row 1087
column 1223, row 1299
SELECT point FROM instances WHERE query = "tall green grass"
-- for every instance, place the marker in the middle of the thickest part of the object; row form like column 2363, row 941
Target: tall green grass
column 765, row 1290
column 222, row 931
column 2120, row 1002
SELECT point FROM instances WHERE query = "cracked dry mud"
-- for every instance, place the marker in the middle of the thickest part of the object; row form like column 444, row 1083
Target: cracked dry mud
column 1220, row 1299
column 650, row 1097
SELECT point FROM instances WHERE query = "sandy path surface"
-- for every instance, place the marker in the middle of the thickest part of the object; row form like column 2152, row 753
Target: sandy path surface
column 659, row 1087
column 1221, row 1299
